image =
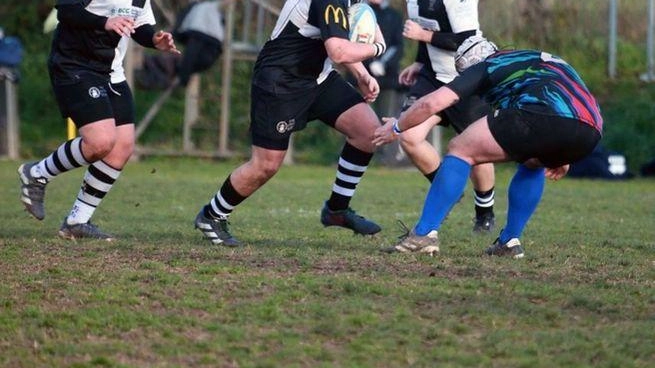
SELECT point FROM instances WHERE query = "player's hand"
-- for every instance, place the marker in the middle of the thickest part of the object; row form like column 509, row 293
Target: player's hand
column 408, row 76
column 124, row 26
column 369, row 88
column 164, row 41
column 385, row 133
column 557, row 172
column 414, row 31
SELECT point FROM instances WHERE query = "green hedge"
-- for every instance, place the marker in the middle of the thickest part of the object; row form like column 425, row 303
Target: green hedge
column 573, row 29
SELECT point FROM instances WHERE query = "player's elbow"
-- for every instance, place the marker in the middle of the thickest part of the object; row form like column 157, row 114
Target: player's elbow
column 440, row 100
column 430, row 105
column 339, row 50
column 338, row 57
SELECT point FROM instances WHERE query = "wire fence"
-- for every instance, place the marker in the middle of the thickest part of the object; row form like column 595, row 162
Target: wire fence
column 617, row 33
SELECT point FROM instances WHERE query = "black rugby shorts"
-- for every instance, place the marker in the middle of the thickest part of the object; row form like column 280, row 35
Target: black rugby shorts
column 273, row 117
column 91, row 98
column 554, row 140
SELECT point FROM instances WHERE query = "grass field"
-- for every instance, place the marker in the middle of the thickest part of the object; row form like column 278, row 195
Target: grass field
column 306, row 296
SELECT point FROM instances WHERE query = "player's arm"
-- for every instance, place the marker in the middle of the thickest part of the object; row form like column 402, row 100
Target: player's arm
column 419, row 112
column 443, row 40
column 368, row 85
column 426, row 106
column 450, row 41
column 471, row 81
column 332, row 20
column 463, row 18
column 342, row 51
column 146, row 36
column 72, row 13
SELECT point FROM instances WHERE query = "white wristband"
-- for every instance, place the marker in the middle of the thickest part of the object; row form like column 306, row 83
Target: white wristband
column 395, row 128
column 380, row 48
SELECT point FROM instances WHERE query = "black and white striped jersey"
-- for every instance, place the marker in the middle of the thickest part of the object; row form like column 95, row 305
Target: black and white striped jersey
column 452, row 16
column 295, row 58
column 89, row 47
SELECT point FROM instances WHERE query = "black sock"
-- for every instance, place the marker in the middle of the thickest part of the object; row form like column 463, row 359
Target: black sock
column 430, row 176
column 223, row 203
column 351, row 168
column 484, row 202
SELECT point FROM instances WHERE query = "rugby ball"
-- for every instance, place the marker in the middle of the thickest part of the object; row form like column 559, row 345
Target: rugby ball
column 363, row 23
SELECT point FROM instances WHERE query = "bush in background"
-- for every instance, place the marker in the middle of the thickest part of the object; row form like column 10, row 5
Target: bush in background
column 575, row 30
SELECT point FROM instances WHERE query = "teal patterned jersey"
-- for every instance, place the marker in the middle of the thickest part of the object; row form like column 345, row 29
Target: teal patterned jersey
column 533, row 81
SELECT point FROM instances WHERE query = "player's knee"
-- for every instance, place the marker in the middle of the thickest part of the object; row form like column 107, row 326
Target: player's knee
column 267, row 169
column 409, row 143
column 126, row 147
column 98, row 147
column 456, row 148
column 123, row 150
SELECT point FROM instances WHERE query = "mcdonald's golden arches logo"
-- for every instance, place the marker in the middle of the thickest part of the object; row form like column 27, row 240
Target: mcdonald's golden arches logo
column 334, row 14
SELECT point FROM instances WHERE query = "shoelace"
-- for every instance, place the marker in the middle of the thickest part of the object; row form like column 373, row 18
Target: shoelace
column 351, row 212
column 222, row 224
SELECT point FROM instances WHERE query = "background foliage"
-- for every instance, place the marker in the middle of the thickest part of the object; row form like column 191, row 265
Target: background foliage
column 576, row 30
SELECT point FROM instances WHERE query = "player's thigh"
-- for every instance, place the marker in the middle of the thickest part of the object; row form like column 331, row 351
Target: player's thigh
column 85, row 100
column 477, row 145
column 122, row 103
column 274, row 117
column 358, row 122
column 99, row 133
column 339, row 104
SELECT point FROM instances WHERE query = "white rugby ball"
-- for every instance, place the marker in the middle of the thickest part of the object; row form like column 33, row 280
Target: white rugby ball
column 362, row 23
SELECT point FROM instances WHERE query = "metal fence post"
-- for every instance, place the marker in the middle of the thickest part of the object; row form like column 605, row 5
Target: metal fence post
column 611, row 62
column 649, row 76
column 13, row 135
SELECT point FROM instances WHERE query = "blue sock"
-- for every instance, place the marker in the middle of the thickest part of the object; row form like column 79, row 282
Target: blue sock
column 446, row 189
column 524, row 194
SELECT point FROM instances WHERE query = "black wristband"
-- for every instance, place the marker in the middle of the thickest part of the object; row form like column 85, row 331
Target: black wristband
column 143, row 35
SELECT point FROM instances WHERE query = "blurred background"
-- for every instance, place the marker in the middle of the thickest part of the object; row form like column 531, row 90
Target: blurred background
column 210, row 116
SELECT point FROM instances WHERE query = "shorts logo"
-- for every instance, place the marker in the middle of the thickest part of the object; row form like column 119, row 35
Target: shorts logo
column 95, row 92
column 285, row 126
column 335, row 15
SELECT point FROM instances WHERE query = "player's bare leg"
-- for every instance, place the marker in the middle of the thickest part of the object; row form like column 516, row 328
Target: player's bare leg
column 358, row 125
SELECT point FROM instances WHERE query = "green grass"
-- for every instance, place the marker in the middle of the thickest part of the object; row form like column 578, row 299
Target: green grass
column 306, row 296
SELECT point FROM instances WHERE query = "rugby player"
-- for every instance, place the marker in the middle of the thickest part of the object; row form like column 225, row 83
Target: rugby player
column 440, row 27
column 88, row 80
column 293, row 83
column 544, row 118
